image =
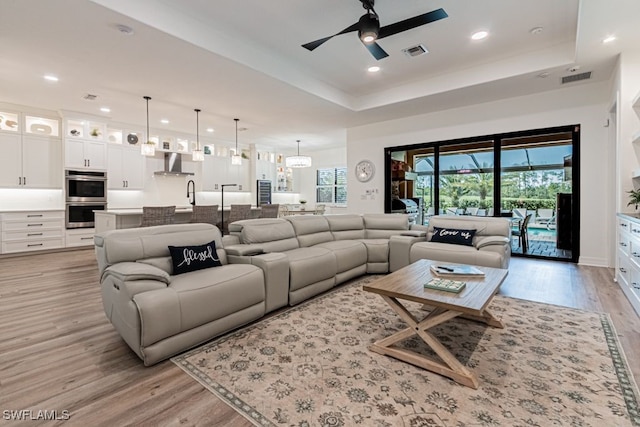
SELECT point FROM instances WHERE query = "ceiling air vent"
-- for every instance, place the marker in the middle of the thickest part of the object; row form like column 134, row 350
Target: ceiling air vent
column 415, row 50
column 90, row 97
column 576, row 77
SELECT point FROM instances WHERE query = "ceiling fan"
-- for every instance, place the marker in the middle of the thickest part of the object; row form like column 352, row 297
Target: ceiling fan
column 369, row 29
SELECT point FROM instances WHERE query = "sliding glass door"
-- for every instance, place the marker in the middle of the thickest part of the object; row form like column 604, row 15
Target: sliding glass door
column 536, row 186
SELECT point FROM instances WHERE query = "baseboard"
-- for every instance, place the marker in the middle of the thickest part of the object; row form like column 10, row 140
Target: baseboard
column 594, row 262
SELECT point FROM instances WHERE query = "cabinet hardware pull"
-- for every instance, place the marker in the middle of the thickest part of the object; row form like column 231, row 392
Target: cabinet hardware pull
column 19, row 180
column 35, row 215
column 623, row 270
column 35, row 244
column 35, row 225
column 89, row 162
column 34, row 234
column 86, row 238
column 623, row 244
column 24, row 180
column 623, row 225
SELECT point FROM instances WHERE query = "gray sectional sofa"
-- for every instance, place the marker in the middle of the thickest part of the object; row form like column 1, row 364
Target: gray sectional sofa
column 265, row 264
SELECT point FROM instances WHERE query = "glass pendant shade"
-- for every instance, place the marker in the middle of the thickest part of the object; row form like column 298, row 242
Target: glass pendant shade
column 148, row 148
column 298, row 161
column 236, row 158
column 197, row 155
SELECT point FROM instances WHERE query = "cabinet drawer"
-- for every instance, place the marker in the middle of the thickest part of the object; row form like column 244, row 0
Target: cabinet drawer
column 79, row 240
column 35, row 245
column 624, row 242
column 624, row 271
column 31, row 235
column 635, row 229
column 34, row 224
column 624, row 225
column 32, row 215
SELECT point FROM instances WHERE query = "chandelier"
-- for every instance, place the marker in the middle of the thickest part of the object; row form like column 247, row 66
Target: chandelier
column 148, row 148
column 298, row 161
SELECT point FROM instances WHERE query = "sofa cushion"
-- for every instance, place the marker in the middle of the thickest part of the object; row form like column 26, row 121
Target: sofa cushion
column 349, row 253
column 191, row 258
column 310, row 229
column 455, row 236
column 383, row 226
column 164, row 263
column 346, row 226
column 310, row 265
column 456, row 254
column 273, row 234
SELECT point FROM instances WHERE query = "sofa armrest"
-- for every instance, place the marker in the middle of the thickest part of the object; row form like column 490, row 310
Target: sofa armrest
column 244, row 250
column 130, row 271
column 419, row 227
column 414, row 233
column 399, row 250
column 490, row 241
column 275, row 266
column 229, row 240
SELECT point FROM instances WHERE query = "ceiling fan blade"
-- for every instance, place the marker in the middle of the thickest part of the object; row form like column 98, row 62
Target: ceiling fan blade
column 416, row 21
column 314, row 44
column 376, row 50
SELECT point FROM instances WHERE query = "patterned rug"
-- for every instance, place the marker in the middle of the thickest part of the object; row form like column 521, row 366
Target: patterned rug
column 309, row 366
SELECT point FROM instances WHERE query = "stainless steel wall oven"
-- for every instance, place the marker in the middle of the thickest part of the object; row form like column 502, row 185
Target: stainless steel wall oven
column 85, row 192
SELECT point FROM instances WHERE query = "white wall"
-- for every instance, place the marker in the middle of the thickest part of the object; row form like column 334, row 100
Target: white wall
column 583, row 104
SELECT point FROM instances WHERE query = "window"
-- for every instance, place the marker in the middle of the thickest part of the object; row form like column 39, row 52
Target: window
column 331, row 186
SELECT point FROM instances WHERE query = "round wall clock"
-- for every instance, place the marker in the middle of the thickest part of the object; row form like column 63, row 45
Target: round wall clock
column 365, row 170
column 132, row 138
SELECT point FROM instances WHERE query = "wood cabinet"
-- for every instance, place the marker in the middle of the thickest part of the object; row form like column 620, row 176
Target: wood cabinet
column 628, row 258
column 32, row 230
column 125, row 168
column 30, row 161
column 85, row 154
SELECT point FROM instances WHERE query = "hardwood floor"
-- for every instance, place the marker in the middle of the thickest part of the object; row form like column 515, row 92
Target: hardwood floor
column 59, row 352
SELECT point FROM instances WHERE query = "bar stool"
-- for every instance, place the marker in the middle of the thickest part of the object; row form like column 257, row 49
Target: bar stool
column 237, row 213
column 158, row 215
column 269, row 211
column 205, row 213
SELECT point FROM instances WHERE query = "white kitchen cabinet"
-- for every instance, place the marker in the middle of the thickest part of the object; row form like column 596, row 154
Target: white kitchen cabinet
column 628, row 258
column 85, row 154
column 30, row 161
column 219, row 170
column 77, row 237
column 32, row 230
column 125, row 168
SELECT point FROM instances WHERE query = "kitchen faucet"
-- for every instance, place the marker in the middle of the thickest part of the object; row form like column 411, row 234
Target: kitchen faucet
column 193, row 192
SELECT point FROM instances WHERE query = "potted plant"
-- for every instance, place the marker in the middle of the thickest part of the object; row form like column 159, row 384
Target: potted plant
column 634, row 198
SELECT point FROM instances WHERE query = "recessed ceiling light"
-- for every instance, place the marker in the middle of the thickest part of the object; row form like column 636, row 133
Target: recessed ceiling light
column 479, row 35
column 373, row 69
column 124, row 29
column 209, row 129
column 608, row 39
column 164, row 121
column 51, row 78
column 105, row 109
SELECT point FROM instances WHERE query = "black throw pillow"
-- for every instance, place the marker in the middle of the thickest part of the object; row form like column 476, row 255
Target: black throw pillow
column 192, row 258
column 455, row 236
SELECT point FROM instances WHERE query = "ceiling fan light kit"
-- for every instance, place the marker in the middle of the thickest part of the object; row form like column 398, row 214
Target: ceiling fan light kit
column 369, row 30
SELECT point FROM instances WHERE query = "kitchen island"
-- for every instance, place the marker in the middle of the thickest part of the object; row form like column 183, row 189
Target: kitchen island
column 115, row 219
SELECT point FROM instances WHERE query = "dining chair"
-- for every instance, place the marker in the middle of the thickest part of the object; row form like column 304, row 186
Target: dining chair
column 320, row 209
column 269, row 211
column 158, row 215
column 205, row 213
column 283, row 211
column 522, row 234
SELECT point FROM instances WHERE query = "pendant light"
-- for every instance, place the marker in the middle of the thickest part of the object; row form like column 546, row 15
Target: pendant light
column 148, row 148
column 197, row 155
column 298, row 161
column 236, row 159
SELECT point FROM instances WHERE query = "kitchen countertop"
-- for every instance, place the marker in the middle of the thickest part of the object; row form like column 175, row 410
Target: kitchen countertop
column 138, row 211
column 633, row 216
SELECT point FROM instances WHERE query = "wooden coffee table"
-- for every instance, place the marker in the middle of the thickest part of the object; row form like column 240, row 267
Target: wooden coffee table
column 471, row 303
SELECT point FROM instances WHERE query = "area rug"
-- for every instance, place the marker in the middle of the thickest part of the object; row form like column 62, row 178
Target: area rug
column 309, row 366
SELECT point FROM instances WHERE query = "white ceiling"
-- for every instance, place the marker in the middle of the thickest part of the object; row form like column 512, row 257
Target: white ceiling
column 244, row 59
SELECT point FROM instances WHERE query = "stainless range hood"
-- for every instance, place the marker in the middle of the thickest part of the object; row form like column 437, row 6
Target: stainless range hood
column 173, row 165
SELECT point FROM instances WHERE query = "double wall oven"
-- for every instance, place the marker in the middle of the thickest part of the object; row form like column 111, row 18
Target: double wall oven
column 86, row 192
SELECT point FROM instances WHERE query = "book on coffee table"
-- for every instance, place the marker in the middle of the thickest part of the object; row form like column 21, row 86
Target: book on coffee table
column 445, row 285
column 456, row 270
